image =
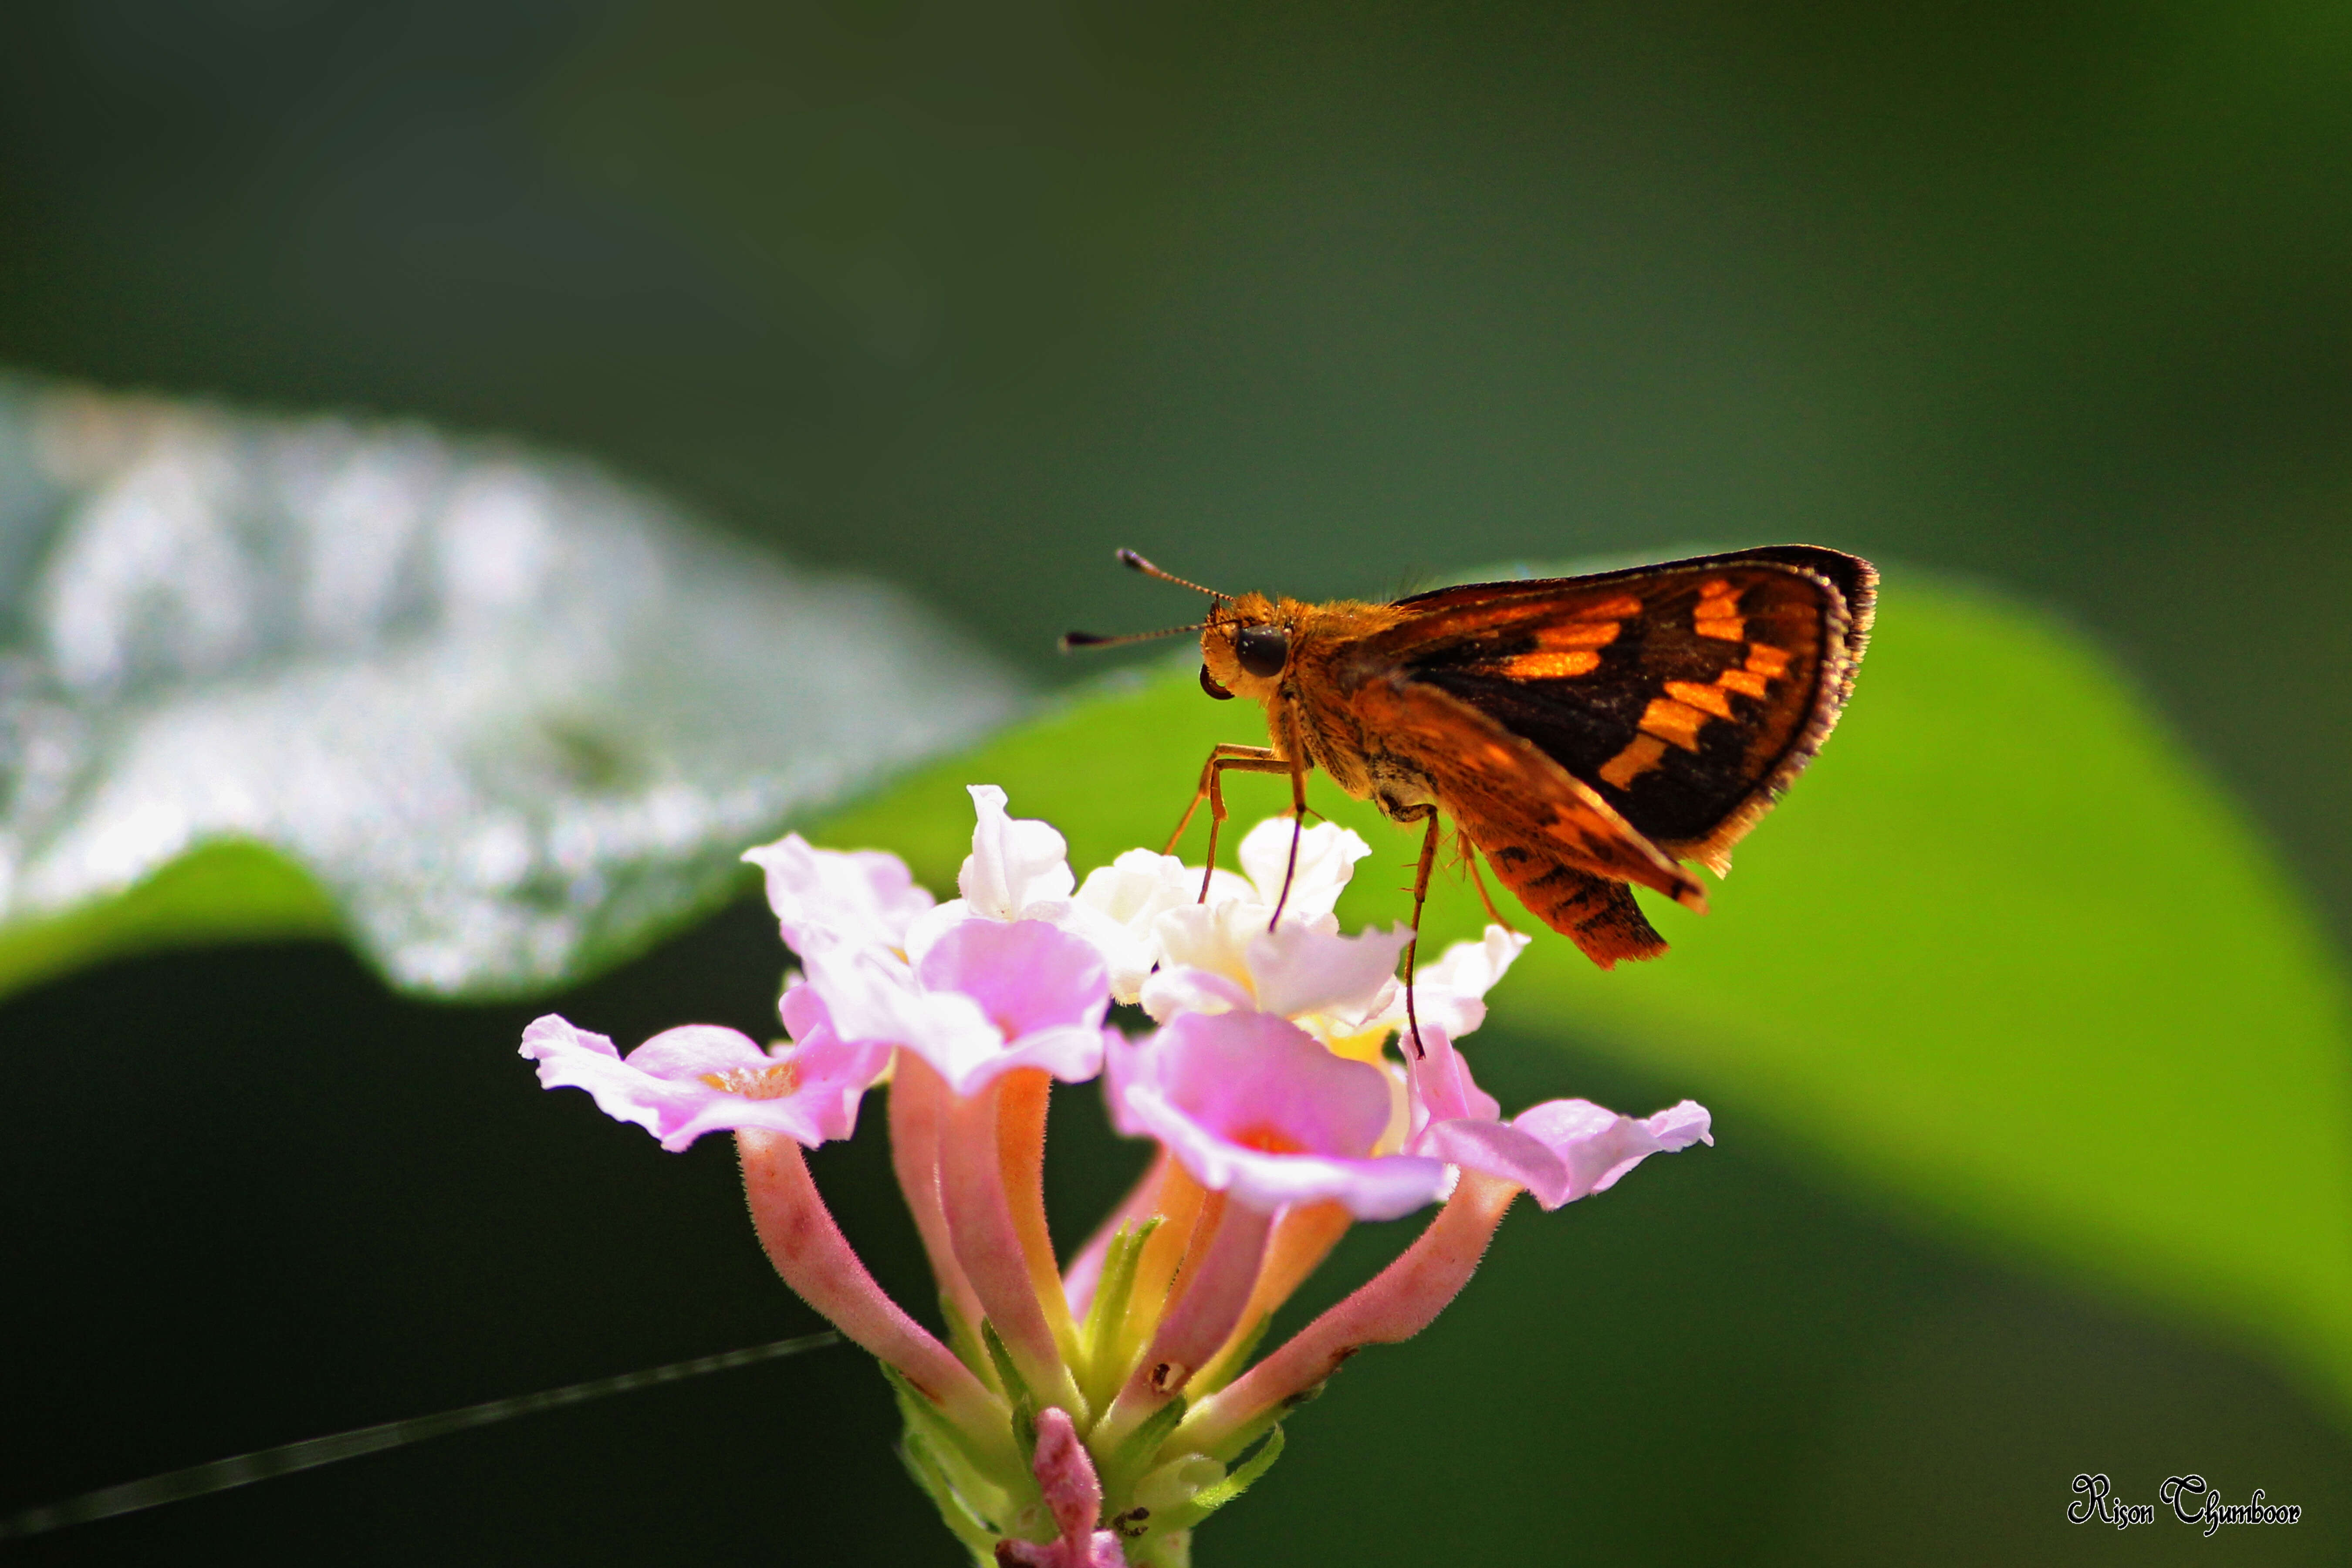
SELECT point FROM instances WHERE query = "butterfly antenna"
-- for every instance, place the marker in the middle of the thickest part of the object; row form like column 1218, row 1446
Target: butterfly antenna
column 1130, row 560
column 1095, row 639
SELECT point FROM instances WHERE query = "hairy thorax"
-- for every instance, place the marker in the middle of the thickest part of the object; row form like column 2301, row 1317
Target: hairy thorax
column 1310, row 705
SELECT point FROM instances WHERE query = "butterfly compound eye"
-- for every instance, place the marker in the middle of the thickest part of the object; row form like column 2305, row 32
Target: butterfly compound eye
column 1209, row 684
column 1262, row 650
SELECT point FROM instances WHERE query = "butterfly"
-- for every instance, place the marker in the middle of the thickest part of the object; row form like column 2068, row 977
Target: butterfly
column 1585, row 735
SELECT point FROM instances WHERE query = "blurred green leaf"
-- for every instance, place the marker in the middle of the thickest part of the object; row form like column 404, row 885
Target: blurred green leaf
column 224, row 891
column 496, row 716
column 2005, row 956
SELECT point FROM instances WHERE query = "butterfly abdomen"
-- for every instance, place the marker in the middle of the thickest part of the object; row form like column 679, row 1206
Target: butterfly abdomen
column 1601, row 917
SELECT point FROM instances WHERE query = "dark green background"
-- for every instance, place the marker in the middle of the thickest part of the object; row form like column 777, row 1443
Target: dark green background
column 1313, row 297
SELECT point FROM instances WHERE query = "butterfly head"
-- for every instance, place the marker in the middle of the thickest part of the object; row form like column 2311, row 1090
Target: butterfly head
column 1245, row 640
column 1245, row 647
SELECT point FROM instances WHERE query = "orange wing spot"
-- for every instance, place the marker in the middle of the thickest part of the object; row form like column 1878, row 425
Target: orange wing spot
column 1617, row 609
column 755, row 1083
column 1551, row 666
column 1767, row 660
column 1718, row 611
column 1578, row 634
column 1634, row 760
column 1745, row 682
column 1676, row 721
column 1708, row 698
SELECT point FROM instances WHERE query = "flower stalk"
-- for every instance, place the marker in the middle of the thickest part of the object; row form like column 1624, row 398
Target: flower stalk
column 1094, row 1413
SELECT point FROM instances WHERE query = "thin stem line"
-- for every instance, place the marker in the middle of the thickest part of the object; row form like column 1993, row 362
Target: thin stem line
column 239, row 1469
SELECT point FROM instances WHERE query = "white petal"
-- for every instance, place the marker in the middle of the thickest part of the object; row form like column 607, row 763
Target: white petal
column 1013, row 864
column 1472, row 968
column 1214, row 937
column 1386, row 1010
column 1328, row 854
column 1126, row 897
column 1169, row 992
column 1298, row 969
column 925, row 930
column 1138, row 885
column 1450, row 993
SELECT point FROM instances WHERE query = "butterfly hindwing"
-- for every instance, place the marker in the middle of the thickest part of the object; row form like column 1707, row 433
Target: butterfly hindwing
column 1685, row 696
column 1549, row 836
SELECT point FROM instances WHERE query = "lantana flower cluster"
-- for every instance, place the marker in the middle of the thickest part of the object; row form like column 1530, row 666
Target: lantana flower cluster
column 1092, row 1410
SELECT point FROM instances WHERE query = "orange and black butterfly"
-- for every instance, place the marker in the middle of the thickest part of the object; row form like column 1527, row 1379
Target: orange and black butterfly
column 1583, row 734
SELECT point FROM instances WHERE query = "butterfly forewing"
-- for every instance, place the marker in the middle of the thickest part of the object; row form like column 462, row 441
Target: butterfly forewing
column 1686, row 695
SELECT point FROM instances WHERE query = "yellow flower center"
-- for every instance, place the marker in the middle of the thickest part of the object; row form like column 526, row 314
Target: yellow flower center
column 771, row 1082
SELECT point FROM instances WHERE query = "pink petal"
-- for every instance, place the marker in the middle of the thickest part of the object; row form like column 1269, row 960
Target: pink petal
column 1559, row 1151
column 1071, row 1052
column 1382, row 1188
column 701, row 1078
column 692, row 1049
column 1126, row 953
column 820, row 895
column 1026, row 974
column 1243, row 1073
column 1598, row 1146
column 802, row 1009
column 873, row 997
column 1499, row 1150
column 1442, row 1089
column 1252, row 1105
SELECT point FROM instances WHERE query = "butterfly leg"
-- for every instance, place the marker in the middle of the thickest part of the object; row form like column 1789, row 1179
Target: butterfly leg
column 1420, row 896
column 1470, row 858
column 1219, row 756
column 1249, row 759
column 1298, row 765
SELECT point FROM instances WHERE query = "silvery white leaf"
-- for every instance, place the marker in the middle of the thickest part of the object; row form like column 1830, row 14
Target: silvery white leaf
column 514, row 715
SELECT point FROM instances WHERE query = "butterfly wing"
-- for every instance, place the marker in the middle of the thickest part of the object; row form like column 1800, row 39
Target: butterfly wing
column 1551, row 839
column 1685, row 697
